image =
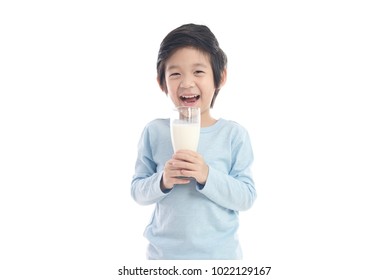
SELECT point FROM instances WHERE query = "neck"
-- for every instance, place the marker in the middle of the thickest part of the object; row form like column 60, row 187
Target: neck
column 207, row 120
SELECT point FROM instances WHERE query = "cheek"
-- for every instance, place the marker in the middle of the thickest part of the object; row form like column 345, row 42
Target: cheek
column 171, row 92
column 171, row 86
column 207, row 87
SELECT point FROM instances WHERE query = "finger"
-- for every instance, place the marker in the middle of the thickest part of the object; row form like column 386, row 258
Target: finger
column 180, row 181
column 185, row 155
column 186, row 168
column 176, row 173
column 188, row 152
column 174, row 165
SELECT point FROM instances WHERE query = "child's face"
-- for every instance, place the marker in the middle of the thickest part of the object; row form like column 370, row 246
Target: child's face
column 189, row 79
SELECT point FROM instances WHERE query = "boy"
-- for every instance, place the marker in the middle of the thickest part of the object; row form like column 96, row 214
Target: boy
column 194, row 218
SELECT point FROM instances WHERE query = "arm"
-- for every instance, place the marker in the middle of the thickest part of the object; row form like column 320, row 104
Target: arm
column 147, row 190
column 234, row 190
column 145, row 185
column 235, row 193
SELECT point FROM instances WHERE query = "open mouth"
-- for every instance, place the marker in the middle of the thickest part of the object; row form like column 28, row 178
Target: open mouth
column 189, row 99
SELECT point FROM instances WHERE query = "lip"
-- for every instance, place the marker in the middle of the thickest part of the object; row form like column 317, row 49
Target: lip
column 189, row 104
column 189, row 96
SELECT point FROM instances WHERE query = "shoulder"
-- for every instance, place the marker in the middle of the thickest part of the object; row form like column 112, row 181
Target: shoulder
column 233, row 127
column 227, row 132
column 156, row 125
column 155, row 128
column 235, row 137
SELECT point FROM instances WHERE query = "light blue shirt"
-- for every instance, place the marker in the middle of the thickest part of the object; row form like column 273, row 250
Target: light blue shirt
column 195, row 221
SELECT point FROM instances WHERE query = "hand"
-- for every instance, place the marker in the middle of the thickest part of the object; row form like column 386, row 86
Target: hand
column 184, row 163
column 191, row 164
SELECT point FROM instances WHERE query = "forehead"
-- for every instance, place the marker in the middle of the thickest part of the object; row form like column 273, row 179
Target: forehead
column 188, row 56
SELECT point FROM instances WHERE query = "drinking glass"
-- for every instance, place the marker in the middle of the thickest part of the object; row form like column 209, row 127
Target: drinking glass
column 185, row 128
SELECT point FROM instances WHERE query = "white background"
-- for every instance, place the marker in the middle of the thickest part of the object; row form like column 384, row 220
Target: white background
column 308, row 79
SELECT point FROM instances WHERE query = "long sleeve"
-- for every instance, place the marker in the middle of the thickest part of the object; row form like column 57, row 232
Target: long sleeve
column 233, row 189
column 147, row 190
column 194, row 221
column 145, row 186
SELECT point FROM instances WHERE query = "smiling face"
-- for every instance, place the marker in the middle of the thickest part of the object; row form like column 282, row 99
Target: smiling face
column 190, row 82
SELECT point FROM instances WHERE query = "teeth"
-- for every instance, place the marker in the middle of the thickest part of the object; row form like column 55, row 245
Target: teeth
column 187, row 97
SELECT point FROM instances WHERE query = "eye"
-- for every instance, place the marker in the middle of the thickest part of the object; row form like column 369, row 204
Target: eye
column 199, row 72
column 174, row 75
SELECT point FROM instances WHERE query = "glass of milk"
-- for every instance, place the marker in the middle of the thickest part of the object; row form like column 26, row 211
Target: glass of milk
column 185, row 128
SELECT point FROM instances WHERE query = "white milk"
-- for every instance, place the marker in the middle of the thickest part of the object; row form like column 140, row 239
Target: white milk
column 185, row 136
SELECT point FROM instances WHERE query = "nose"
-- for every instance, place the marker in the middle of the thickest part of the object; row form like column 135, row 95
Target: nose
column 187, row 82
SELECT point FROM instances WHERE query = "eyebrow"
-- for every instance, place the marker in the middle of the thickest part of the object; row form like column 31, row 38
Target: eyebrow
column 194, row 65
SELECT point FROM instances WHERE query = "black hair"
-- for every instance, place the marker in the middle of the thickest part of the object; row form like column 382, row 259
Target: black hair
column 196, row 36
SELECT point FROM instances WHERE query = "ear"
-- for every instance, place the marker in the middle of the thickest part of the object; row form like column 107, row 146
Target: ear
column 161, row 86
column 223, row 78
